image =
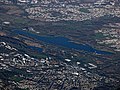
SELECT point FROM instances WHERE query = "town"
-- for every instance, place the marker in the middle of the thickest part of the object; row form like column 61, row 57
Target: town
column 59, row 44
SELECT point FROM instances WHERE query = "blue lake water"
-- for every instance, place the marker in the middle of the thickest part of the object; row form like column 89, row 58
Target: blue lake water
column 35, row 48
column 61, row 41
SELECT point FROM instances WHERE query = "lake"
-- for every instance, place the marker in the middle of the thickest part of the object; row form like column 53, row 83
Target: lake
column 61, row 41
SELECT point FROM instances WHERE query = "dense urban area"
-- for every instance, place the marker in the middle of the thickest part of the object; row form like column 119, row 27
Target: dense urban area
column 59, row 44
